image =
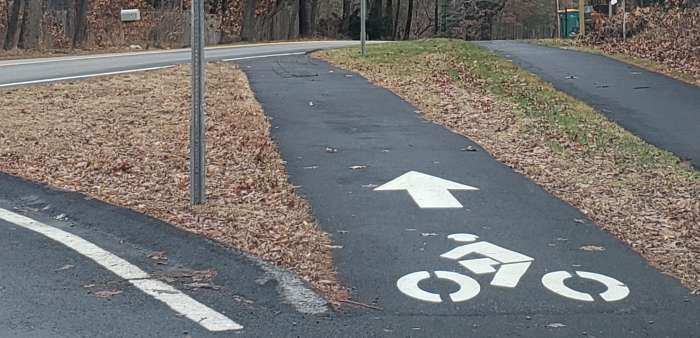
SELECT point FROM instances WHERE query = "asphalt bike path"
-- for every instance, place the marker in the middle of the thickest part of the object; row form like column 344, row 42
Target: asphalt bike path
column 661, row 110
column 438, row 240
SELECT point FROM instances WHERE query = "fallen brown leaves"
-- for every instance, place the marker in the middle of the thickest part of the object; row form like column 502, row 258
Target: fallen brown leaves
column 124, row 140
column 669, row 36
column 652, row 206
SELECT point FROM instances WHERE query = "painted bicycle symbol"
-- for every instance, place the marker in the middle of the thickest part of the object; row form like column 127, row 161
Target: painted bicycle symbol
column 508, row 268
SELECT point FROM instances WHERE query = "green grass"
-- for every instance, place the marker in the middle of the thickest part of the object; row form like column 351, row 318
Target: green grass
column 542, row 109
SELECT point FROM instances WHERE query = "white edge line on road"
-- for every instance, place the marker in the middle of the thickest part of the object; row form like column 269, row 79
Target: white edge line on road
column 262, row 56
column 173, row 298
column 109, row 55
column 82, row 76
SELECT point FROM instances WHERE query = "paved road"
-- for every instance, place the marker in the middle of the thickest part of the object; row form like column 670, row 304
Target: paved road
column 17, row 72
column 49, row 290
column 661, row 110
column 383, row 237
column 382, row 233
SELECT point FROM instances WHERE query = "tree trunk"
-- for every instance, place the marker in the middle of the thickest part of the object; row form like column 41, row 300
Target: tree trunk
column 23, row 26
column 389, row 15
column 376, row 9
column 396, row 19
column 437, row 15
column 249, row 21
column 304, row 18
column 409, row 20
column 13, row 23
column 347, row 7
column 81, row 7
column 375, row 22
column 30, row 33
column 313, row 20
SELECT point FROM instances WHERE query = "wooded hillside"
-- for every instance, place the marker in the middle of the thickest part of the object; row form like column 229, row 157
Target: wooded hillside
column 60, row 24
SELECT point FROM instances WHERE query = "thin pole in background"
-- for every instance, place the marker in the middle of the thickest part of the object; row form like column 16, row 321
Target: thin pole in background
column 197, row 123
column 581, row 17
column 363, row 26
column 558, row 21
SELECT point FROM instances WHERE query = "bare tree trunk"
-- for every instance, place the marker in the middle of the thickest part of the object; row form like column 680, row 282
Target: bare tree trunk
column 13, row 23
column 313, row 27
column 81, row 7
column 304, row 25
column 248, row 27
column 30, row 33
column 437, row 15
column 347, row 7
column 23, row 28
column 396, row 19
column 389, row 15
column 376, row 26
column 409, row 20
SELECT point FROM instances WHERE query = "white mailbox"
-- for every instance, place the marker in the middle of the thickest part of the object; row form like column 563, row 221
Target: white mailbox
column 130, row 15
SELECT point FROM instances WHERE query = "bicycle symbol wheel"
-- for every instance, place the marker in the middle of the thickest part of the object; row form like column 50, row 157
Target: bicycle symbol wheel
column 468, row 287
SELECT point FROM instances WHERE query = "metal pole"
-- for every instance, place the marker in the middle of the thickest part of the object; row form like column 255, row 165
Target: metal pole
column 197, row 122
column 363, row 26
column 610, row 4
column 624, row 21
column 581, row 18
column 558, row 21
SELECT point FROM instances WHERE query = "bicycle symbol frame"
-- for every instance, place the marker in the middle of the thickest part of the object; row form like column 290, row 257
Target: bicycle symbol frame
column 508, row 268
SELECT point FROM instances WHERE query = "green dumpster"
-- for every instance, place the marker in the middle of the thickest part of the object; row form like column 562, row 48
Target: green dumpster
column 568, row 20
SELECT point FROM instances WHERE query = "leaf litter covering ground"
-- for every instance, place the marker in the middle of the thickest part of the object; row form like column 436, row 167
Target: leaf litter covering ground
column 124, row 140
column 668, row 35
column 646, row 197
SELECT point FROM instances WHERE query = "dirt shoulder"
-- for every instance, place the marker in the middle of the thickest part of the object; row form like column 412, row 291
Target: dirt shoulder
column 645, row 196
column 124, row 140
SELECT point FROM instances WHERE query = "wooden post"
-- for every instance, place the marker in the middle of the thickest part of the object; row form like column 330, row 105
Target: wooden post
column 581, row 17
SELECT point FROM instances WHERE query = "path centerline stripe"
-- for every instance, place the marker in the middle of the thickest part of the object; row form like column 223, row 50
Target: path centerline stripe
column 172, row 297
column 56, row 79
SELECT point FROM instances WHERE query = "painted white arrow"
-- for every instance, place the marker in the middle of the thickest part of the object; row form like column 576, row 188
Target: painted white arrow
column 427, row 191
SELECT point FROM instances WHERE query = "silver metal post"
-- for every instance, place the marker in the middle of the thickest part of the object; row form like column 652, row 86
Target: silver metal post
column 558, row 21
column 363, row 26
column 197, row 122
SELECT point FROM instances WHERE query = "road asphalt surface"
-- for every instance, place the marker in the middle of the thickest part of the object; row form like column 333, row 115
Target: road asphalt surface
column 49, row 290
column 343, row 139
column 661, row 110
column 29, row 71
